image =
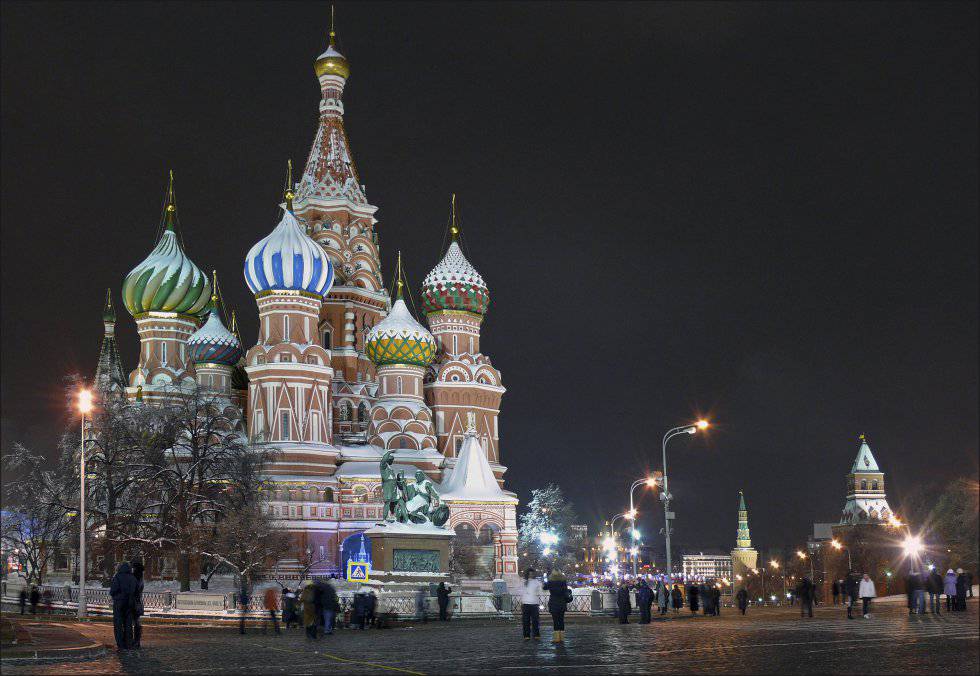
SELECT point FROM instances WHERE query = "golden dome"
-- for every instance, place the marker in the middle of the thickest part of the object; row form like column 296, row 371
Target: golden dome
column 332, row 62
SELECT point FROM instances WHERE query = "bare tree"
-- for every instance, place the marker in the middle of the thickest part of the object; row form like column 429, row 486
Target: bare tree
column 37, row 519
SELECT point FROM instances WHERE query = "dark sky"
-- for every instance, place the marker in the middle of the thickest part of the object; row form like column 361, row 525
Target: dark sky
column 764, row 213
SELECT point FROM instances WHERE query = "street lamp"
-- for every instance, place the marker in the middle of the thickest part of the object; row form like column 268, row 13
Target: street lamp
column 84, row 407
column 650, row 482
column 838, row 546
column 665, row 495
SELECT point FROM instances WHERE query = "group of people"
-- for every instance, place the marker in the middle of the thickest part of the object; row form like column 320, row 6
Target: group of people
column 35, row 597
column 126, row 591
column 559, row 596
column 955, row 586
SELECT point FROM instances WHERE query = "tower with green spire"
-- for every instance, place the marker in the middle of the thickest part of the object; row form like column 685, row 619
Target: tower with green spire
column 109, row 374
column 744, row 557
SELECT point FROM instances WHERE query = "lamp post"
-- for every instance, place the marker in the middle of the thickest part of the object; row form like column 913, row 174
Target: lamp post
column 665, row 496
column 838, row 546
column 84, row 406
column 649, row 482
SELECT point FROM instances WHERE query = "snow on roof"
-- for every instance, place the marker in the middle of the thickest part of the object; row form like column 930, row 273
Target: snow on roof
column 370, row 469
column 395, row 527
column 864, row 462
column 471, row 478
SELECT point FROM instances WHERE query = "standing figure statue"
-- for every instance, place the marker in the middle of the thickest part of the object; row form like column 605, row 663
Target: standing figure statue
column 389, row 487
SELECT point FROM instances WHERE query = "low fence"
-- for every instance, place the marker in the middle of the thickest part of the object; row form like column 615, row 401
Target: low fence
column 403, row 605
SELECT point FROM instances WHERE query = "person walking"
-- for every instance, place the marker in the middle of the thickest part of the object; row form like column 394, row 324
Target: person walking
column 704, row 598
column 804, row 591
column 715, row 601
column 270, row 602
column 359, row 613
column 835, row 590
column 677, row 598
column 663, row 597
column 36, row 598
column 329, row 606
column 121, row 590
column 742, row 597
column 442, row 594
column 934, row 587
column 137, row 607
column 530, row 605
column 22, row 599
column 308, row 599
column 559, row 596
column 949, row 588
column 866, row 590
column 420, row 604
column 961, row 585
column 851, row 588
column 623, row 602
column 644, row 599
column 692, row 598
column 918, row 592
column 288, row 608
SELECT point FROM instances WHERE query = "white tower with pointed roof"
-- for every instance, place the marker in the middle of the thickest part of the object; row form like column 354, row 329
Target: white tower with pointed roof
column 866, row 502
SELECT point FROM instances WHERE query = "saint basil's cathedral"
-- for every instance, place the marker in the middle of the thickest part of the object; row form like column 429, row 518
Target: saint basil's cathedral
column 339, row 373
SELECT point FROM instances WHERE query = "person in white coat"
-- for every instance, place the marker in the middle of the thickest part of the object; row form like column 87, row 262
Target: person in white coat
column 530, row 605
column 866, row 590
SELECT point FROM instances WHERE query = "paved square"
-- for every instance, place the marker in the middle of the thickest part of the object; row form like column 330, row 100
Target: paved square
column 765, row 641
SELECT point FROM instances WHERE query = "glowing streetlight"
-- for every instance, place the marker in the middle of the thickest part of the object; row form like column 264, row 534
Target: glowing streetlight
column 912, row 545
column 800, row 554
column 665, row 494
column 84, row 407
column 774, row 563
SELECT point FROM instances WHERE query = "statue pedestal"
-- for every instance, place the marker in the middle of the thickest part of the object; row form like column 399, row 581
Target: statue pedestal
column 409, row 554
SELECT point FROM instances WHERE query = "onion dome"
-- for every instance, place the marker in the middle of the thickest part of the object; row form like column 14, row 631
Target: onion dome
column 213, row 343
column 398, row 338
column 332, row 62
column 288, row 259
column 167, row 280
column 454, row 284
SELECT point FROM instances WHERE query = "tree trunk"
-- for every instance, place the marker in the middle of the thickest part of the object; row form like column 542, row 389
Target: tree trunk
column 184, row 571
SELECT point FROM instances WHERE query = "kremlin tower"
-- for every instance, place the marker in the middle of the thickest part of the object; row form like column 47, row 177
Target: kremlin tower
column 865, row 502
column 167, row 295
column 744, row 557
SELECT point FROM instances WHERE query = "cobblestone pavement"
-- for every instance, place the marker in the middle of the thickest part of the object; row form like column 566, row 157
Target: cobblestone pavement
column 764, row 641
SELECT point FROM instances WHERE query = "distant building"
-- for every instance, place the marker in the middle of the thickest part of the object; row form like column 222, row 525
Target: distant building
column 707, row 566
column 744, row 557
column 578, row 531
column 865, row 502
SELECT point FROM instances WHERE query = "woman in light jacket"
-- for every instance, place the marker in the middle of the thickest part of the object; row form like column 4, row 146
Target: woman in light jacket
column 530, row 605
column 949, row 589
column 866, row 590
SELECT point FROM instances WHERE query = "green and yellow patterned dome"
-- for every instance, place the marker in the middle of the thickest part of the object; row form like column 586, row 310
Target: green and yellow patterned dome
column 167, row 280
column 399, row 339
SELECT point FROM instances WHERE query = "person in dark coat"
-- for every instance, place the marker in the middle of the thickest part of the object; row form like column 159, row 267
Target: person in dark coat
column 835, row 590
column 644, row 599
column 934, row 587
column 35, row 599
column 692, row 598
column 329, row 606
column 242, row 607
column 360, row 612
column 122, row 591
column 22, row 598
column 677, row 598
column 559, row 597
column 969, row 584
column 805, row 592
column 623, row 602
column 742, row 597
column 851, row 586
column 288, row 607
column 442, row 594
column 961, row 585
column 704, row 598
column 137, row 607
column 715, row 601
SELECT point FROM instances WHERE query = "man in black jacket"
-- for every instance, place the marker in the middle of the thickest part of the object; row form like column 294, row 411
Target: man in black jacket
column 123, row 591
column 851, row 585
column 442, row 595
column 934, row 585
column 804, row 592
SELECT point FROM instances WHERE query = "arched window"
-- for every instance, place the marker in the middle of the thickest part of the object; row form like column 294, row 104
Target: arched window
column 465, row 533
column 285, row 328
column 326, row 339
column 874, row 485
column 398, row 385
column 363, row 412
column 403, row 443
column 345, row 411
column 487, row 533
column 864, row 484
column 284, row 425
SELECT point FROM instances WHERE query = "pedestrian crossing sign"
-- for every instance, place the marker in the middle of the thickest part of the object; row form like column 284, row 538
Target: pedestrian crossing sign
column 358, row 570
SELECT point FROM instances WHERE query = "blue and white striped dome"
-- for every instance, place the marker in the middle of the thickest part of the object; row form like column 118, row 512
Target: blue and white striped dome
column 288, row 259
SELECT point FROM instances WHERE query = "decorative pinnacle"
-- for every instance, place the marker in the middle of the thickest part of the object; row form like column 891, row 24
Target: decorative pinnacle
column 170, row 211
column 109, row 313
column 398, row 274
column 214, row 288
column 288, row 192
column 453, row 229
column 861, row 437
column 333, row 33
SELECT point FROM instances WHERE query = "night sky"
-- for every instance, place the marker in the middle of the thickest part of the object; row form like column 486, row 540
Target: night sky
column 761, row 213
